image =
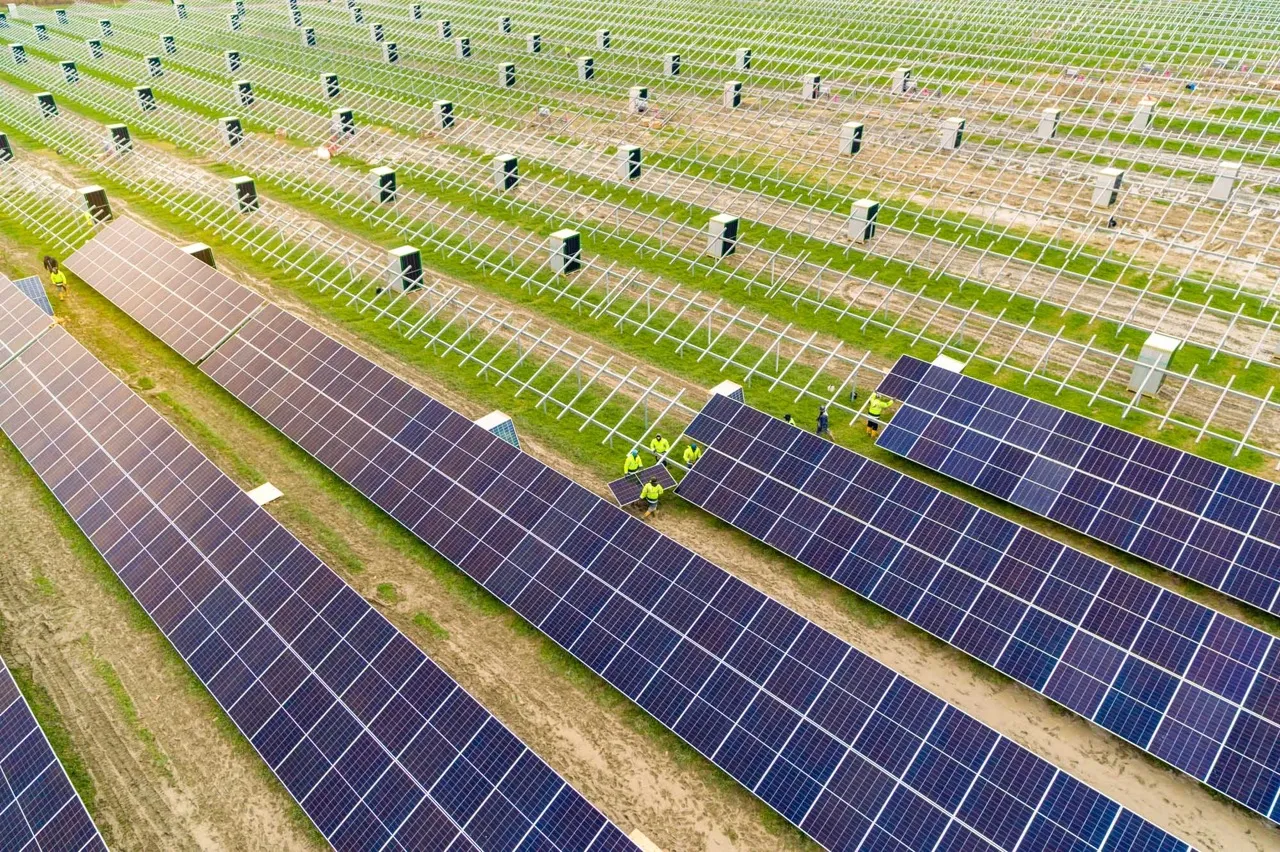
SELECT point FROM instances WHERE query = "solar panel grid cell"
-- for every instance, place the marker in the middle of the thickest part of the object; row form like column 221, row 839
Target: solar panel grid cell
column 1113, row 647
column 378, row 744
column 39, row 809
column 831, row 739
column 33, row 288
column 180, row 299
column 1201, row 519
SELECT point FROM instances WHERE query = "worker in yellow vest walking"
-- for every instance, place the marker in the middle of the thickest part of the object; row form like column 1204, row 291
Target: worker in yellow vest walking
column 57, row 277
column 877, row 405
column 660, row 446
column 650, row 494
column 631, row 464
column 691, row 454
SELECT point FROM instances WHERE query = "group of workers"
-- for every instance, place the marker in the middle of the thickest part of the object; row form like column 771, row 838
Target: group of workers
column 877, row 407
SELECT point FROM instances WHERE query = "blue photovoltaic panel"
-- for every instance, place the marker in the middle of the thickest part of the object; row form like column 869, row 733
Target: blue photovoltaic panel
column 1191, row 686
column 39, row 809
column 1216, row 525
column 852, row 753
column 627, row 489
column 382, row 748
column 20, row 320
column 34, row 290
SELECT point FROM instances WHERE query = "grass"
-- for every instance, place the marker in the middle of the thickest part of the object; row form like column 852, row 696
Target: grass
column 430, row 627
column 103, row 668
column 387, row 593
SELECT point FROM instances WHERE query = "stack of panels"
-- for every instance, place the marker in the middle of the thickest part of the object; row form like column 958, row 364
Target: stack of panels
column 1218, row 526
column 1191, row 686
column 380, row 747
column 39, row 809
column 843, row 747
column 183, row 301
column 33, row 288
column 20, row 320
column 627, row 489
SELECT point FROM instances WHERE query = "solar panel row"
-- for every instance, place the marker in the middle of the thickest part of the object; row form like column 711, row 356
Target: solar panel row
column 1191, row 686
column 21, row 321
column 1214, row 524
column 39, row 809
column 183, row 301
column 380, row 747
column 841, row 746
column 33, row 288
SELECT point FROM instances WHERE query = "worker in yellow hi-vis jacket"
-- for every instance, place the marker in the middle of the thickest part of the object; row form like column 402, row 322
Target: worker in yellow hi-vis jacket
column 877, row 405
column 650, row 494
column 691, row 454
column 631, row 464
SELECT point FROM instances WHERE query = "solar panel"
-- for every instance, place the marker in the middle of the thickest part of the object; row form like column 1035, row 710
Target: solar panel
column 20, row 320
column 379, row 746
column 1198, row 518
column 1193, row 687
column 39, row 809
column 846, row 749
column 33, row 287
column 183, row 301
column 627, row 489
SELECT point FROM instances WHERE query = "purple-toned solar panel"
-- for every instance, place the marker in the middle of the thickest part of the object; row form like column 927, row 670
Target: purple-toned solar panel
column 627, row 489
column 1100, row 641
column 21, row 320
column 844, row 748
column 180, row 299
column 381, row 747
column 1203, row 520
column 39, row 809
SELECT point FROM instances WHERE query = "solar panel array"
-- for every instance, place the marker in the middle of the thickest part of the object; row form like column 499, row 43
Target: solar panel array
column 841, row 746
column 627, row 489
column 34, row 290
column 1206, row 521
column 380, row 747
column 21, row 321
column 142, row 274
column 1193, row 687
column 39, row 809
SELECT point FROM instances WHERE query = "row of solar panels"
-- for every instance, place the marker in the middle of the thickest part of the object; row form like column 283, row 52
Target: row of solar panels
column 377, row 744
column 849, row 751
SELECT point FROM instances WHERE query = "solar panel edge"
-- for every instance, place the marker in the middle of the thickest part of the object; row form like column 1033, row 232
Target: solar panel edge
column 713, row 454
column 212, row 367
column 251, row 736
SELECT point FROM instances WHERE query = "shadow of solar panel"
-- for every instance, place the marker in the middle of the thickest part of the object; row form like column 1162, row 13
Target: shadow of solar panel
column 1198, row 518
column 39, row 809
column 380, row 747
column 627, row 489
column 21, row 321
column 844, row 748
column 1114, row 648
column 183, row 301
column 33, row 288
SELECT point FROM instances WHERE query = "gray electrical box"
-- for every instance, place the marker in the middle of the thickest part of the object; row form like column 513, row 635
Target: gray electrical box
column 506, row 172
column 69, row 71
column 742, row 59
column 1106, row 187
column 732, row 96
column 169, row 44
column 444, row 114
column 566, row 251
column 507, row 74
column 344, row 122
column 1048, row 127
column 462, row 47
column 533, row 42
column 19, row 54
column 851, row 137
column 295, row 16
column 390, row 53
column 671, row 65
column 375, row 32
column 638, row 98
column 722, row 235
column 42, row 32
column 1144, row 115
column 1153, row 360
column 146, row 98
column 383, row 184
column 586, row 67
column 233, row 22
column 952, row 134
column 629, row 162
column 811, row 87
column 244, row 194
column 444, row 29
column 504, row 24
column 232, row 131
column 309, row 37
column 405, row 270
column 357, row 15
column 862, row 221
column 6, row 150
column 95, row 48
column 1224, row 181
column 48, row 106
column 180, row 9
column 603, row 40
column 244, row 92
column 329, row 82
column 233, row 61
column 118, row 135
column 415, row 11
column 95, row 201
column 902, row 81
column 105, row 25
column 61, row 15
column 154, row 67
